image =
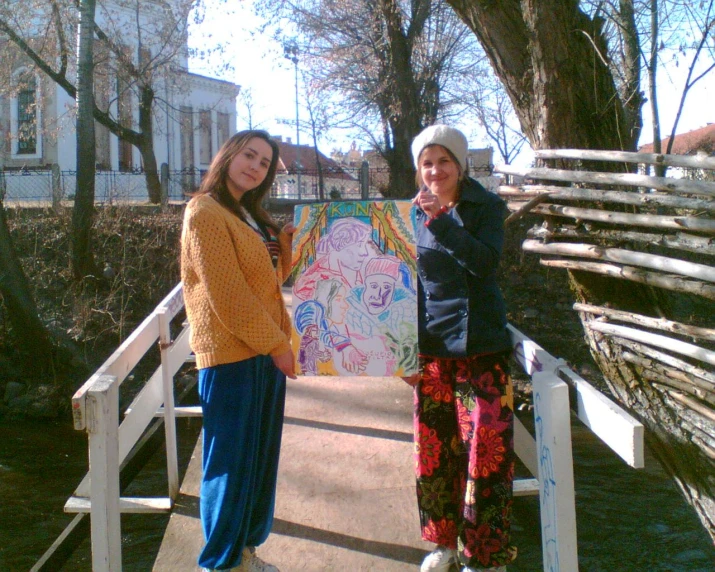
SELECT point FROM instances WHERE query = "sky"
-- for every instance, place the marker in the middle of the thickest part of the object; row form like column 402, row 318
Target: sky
column 259, row 65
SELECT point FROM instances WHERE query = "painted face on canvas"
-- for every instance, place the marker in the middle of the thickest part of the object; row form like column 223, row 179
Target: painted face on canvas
column 379, row 290
column 249, row 167
column 440, row 173
column 353, row 255
column 338, row 307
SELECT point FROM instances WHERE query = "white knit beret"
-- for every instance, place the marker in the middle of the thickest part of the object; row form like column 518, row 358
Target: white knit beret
column 448, row 137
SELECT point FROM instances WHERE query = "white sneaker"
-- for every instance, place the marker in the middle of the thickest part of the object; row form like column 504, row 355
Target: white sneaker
column 439, row 560
column 252, row 563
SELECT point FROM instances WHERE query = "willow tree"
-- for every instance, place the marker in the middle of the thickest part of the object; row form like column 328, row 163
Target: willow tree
column 568, row 90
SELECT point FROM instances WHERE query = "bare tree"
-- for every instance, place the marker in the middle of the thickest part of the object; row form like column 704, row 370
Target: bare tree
column 246, row 109
column 387, row 64
column 494, row 113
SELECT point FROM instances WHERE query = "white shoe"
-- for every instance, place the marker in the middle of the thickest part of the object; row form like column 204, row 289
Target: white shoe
column 439, row 560
column 252, row 563
column 497, row 569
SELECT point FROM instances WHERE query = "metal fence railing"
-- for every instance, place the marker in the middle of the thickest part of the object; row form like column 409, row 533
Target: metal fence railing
column 51, row 186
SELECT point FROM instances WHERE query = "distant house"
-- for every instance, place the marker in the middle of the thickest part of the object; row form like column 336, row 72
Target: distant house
column 691, row 143
column 697, row 142
column 302, row 160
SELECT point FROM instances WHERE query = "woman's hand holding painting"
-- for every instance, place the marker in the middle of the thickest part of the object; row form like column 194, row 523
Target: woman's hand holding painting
column 412, row 379
column 286, row 363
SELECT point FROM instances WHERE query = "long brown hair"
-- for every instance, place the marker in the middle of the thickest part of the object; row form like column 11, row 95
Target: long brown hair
column 214, row 182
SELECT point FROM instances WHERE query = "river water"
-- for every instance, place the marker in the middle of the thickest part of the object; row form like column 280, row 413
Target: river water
column 627, row 519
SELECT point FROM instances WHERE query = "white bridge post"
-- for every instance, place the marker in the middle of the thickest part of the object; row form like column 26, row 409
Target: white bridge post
column 167, row 380
column 102, row 408
column 555, row 462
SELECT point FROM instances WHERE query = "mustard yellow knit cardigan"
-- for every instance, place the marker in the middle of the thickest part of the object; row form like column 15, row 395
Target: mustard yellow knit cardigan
column 231, row 290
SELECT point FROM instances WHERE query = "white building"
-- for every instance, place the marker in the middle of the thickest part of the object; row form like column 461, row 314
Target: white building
column 192, row 114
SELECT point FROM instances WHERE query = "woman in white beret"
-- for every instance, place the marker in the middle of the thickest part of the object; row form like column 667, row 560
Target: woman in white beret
column 464, row 436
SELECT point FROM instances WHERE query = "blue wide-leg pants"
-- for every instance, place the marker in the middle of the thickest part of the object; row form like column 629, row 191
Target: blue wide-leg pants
column 243, row 406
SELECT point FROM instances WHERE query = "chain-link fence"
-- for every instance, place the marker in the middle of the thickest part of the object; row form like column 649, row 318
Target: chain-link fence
column 46, row 187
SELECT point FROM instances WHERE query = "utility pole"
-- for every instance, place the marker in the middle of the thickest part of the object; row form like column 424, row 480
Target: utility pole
column 290, row 51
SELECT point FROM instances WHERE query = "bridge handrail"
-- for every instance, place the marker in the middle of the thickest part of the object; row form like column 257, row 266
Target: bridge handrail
column 95, row 408
column 128, row 354
column 548, row 456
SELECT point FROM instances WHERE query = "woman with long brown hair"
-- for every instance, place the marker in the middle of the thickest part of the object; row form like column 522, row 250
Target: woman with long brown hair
column 234, row 259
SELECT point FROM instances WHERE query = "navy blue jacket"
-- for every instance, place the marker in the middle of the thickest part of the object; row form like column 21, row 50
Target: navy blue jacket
column 461, row 309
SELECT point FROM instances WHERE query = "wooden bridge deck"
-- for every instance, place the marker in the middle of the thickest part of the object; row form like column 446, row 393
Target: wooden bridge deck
column 346, row 498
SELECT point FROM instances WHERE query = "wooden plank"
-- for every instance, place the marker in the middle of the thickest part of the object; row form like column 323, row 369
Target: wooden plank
column 594, row 409
column 59, row 552
column 102, row 422
column 143, row 409
column 684, row 186
column 526, row 487
column 167, row 383
column 656, row 340
column 77, row 531
column 134, row 505
column 625, row 219
column 631, row 197
column 128, row 354
column 683, row 161
column 557, row 494
column 613, row 425
column 119, row 364
column 624, row 256
column 188, row 411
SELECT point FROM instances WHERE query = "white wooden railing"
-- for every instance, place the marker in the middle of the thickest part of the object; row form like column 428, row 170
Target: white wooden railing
column 548, row 456
column 95, row 408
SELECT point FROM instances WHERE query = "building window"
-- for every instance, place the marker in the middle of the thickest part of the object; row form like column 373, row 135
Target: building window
column 125, row 118
column 25, row 116
column 204, row 137
column 27, row 120
column 187, row 138
column 222, row 125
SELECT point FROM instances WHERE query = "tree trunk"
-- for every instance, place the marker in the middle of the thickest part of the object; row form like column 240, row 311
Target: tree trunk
column 30, row 333
column 153, row 184
column 550, row 58
column 83, row 214
column 399, row 104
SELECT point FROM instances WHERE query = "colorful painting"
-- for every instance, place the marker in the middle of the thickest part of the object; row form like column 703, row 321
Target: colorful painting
column 354, row 289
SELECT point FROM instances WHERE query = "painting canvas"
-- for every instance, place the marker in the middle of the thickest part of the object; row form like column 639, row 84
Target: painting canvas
column 354, row 289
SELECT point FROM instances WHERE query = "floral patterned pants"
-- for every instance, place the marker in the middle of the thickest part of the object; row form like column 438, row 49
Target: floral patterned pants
column 464, row 456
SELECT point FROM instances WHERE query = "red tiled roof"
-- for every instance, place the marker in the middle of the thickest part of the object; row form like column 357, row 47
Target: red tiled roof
column 689, row 143
column 289, row 153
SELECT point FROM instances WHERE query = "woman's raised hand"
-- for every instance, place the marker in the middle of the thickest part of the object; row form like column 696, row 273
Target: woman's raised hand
column 428, row 202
